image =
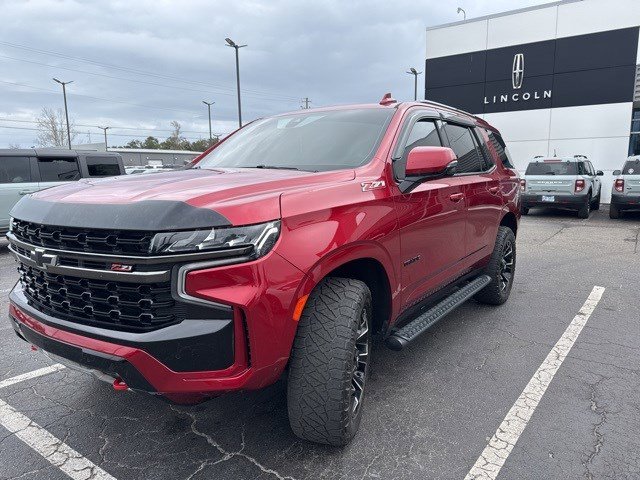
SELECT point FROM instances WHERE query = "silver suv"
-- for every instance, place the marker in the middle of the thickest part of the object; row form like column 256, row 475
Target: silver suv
column 566, row 183
column 625, row 195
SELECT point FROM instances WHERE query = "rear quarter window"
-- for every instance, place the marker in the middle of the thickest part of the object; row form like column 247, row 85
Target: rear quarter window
column 500, row 147
column 103, row 166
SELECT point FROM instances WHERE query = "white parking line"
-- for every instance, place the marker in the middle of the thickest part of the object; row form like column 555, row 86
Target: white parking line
column 497, row 451
column 54, row 450
column 29, row 375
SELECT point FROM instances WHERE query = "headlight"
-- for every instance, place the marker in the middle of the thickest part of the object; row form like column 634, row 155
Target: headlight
column 261, row 237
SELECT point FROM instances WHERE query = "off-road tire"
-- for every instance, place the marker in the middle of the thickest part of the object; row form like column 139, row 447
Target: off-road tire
column 495, row 293
column 585, row 210
column 524, row 210
column 321, row 389
column 614, row 212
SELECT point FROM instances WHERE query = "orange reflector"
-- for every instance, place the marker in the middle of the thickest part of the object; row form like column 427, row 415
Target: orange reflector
column 297, row 312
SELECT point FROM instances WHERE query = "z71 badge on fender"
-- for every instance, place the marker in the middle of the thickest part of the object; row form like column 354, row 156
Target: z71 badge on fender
column 368, row 186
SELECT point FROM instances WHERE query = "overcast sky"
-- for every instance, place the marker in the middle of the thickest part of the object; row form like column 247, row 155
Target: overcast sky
column 139, row 64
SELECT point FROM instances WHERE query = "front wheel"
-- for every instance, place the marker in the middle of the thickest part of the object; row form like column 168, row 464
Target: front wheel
column 524, row 210
column 596, row 203
column 501, row 269
column 329, row 363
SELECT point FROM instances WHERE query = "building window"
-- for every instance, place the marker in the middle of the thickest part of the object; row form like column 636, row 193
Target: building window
column 634, row 141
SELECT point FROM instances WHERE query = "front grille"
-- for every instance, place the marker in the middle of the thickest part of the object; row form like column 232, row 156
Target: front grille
column 114, row 305
column 83, row 240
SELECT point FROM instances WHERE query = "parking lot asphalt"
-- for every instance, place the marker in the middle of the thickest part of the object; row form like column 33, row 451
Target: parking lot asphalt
column 431, row 409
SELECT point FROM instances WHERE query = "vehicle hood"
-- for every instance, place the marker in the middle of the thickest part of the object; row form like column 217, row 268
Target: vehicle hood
column 193, row 198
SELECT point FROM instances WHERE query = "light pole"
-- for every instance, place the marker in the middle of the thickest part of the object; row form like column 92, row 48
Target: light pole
column 66, row 111
column 460, row 9
column 208, row 104
column 232, row 44
column 415, row 73
column 106, row 146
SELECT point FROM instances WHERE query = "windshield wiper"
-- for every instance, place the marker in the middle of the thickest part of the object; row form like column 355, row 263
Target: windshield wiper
column 276, row 167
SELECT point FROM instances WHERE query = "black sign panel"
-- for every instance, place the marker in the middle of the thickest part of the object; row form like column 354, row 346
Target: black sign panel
column 583, row 70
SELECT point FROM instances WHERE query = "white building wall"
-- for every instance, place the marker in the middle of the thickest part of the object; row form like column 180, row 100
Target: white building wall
column 599, row 131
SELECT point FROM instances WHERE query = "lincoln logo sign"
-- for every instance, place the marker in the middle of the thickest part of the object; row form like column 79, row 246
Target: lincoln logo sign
column 517, row 77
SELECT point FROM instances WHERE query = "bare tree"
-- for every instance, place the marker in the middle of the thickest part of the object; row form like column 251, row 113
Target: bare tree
column 176, row 141
column 53, row 129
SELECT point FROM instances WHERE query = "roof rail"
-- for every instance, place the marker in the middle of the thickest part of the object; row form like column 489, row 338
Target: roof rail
column 539, row 156
column 579, row 156
column 437, row 104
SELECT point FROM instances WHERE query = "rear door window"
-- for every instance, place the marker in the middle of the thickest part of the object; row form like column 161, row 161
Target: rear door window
column 103, row 166
column 501, row 148
column 15, row 170
column 552, row 168
column 61, row 169
column 461, row 142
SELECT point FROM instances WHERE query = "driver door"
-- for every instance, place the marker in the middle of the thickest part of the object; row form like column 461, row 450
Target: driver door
column 431, row 218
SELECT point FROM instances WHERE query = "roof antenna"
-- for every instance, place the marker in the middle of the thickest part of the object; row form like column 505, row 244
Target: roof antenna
column 554, row 153
column 387, row 99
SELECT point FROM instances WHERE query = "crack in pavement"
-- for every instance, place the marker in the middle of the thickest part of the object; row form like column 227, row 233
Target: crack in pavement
column 599, row 436
column 226, row 455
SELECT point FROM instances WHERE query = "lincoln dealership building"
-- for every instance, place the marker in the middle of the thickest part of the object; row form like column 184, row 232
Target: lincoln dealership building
column 558, row 79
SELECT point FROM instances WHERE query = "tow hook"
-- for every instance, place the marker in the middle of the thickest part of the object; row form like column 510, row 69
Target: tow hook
column 118, row 384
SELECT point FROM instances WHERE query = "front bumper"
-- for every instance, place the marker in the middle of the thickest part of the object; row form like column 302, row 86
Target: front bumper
column 193, row 359
column 626, row 202
column 573, row 202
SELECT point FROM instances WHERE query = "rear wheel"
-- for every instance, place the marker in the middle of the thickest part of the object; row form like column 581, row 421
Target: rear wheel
column 614, row 212
column 524, row 210
column 501, row 269
column 585, row 210
column 329, row 362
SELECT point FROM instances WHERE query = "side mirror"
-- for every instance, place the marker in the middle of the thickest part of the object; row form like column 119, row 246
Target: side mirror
column 599, row 173
column 427, row 163
column 617, row 172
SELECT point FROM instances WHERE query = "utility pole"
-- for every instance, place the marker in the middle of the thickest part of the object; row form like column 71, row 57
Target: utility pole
column 208, row 104
column 106, row 146
column 415, row 73
column 306, row 102
column 66, row 111
column 232, row 44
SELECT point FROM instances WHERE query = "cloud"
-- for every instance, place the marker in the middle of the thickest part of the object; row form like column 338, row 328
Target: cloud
column 144, row 63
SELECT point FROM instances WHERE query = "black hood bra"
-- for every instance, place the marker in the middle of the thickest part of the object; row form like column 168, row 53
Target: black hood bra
column 147, row 215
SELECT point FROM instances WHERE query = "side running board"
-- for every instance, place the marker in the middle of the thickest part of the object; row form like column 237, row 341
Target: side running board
column 401, row 337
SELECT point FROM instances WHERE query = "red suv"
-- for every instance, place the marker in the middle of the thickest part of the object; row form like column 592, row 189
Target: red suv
column 284, row 247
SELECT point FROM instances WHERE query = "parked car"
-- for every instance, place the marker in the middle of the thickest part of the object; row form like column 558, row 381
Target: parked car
column 278, row 250
column 564, row 183
column 25, row 171
column 625, row 195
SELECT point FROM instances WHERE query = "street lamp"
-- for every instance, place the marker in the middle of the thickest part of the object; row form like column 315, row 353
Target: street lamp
column 232, row 44
column 106, row 146
column 208, row 104
column 415, row 73
column 460, row 9
column 66, row 111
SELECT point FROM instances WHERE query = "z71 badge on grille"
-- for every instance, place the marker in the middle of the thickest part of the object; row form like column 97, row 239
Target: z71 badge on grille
column 119, row 267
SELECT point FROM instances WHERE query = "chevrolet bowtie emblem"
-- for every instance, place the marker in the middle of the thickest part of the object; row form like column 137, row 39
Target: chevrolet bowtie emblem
column 42, row 259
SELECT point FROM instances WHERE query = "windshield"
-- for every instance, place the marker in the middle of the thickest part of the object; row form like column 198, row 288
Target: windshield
column 552, row 168
column 315, row 141
column 631, row 167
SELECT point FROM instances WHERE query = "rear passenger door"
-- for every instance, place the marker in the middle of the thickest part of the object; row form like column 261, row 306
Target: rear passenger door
column 431, row 217
column 15, row 182
column 481, row 186
column 57, row 170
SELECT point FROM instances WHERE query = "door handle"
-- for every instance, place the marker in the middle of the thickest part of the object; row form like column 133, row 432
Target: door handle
column 26, row 192
column 456, row 197
column 493, row 189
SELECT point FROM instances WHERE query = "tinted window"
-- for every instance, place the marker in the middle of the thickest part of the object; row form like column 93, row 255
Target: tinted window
column 501, row 149
column 461, row 142
column 489, row 160
column 103, row 166
column 15, row 170
column 58, row 169
column 552, row 168
column 631, row 167
column 314, row 141
column 423, row 134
